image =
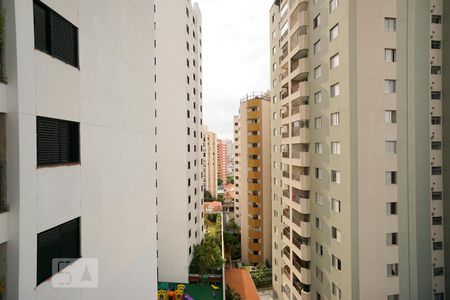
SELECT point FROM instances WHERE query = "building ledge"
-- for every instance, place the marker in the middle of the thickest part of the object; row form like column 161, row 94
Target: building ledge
column 3, row 227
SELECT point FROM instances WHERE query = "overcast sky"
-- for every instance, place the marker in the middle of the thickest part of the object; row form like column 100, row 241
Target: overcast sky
column 235, row 57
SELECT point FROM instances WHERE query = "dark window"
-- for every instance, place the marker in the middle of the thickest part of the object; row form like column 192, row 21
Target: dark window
column 435, row 95
column 436, row 170
column 55, row 35
column 62, row 241
column 438, row 271
column 437, row 220
column 435, row 120
column 436, row 195
column 438, row 246
column 435, row 44
column 58, row 141
column 436, row 19
column 436, row 145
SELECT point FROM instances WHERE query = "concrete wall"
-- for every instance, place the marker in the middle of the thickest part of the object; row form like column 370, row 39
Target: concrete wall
column 112, row 189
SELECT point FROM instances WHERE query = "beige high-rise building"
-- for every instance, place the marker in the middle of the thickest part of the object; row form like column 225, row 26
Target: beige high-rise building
column 222, row 159
column 357, row 149
column 252, row 178
column 210, row 166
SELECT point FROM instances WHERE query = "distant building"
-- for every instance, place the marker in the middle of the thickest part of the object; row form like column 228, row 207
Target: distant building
column 210, row 167
column 252, row 178
column 222, row 159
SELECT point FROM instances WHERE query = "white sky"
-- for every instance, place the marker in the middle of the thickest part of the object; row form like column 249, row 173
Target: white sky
column 235, row 57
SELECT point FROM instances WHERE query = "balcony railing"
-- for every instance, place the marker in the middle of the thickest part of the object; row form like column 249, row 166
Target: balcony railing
column 286, row 174
column 299, row 286
column 287, row 271
column 287, row 233
column 286, row 193
column 286, row 154
column 287, row 252
column 286, row 213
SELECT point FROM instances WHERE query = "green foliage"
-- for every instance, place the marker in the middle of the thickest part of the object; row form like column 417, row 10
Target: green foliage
column 232, row 239
column 220, row 198
column 219, row 181
column 230, row 294
column 212, row 218
column 207, row 196
column 209, row 253
column 262, row 276
column 230, row 180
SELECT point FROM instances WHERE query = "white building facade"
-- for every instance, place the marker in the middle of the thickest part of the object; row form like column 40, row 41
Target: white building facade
column 77, row 181
column 179, row 130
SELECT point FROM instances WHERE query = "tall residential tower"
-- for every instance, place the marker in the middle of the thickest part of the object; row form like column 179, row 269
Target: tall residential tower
column 252, row 178
column 357, row 159
column 179, row 130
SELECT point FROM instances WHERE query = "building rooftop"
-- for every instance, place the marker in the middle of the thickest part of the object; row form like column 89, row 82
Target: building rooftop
column 242, row 283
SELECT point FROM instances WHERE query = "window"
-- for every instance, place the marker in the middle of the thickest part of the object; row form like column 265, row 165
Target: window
column 393, row 297
column 391, row 208
column 392, row 270
column 333, row 5
column 389, row 86
column 390, row 55
column 318, row 122
column 390, row 116
column 55, row 35
column 316, row 21
column 317, row 47
column 319, row 199
column 334, row 61
column 438, row 245
column 62, row 241
column 319, row 274
column 437, row 220
column 334, row 32
column 336, row 263
column 319, row 249
column 438, row 271
column 390, row 24
column 438, row 296
column 436, row 145
column 436, row 70
column 392, row 238
column 318, row 173
column 58, row 141
column 436, row 195
column 335, row 233
column 335, row 90
column 335, row 176
column 391, row 177
column 335, row 205
column 318, row 224
column 336, row 291
column 436, row 19
column 436, row 170
column 435, row 95
column 318, row 97
column 435, row 44
column 318, row 148
column 390, row 147
column 334, row 118
column 318, row 72
column 335, row 148
column 435, row 120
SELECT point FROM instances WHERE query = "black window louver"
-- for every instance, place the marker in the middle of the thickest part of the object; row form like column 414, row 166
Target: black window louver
column 57, row 141
column 62, row 241
column 55, row 35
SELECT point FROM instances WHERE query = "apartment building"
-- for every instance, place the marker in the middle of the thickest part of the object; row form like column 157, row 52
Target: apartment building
column 211, row 163
column 77, row 140
column 237, row 168
column 252, row 184
column 222, row 159
column 178, row 98
column 357, row 159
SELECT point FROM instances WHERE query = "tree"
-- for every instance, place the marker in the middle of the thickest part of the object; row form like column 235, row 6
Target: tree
column 207, row 196
column 261, row 274
column 219, row 181
column 232, row 240
column 210, row 255
column 230, row 180
column 231, row 294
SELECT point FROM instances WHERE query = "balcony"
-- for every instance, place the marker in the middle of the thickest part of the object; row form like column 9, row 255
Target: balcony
column 287, row 213
column 300, row 69
column 287, row 271
column 300, row 287
column 286, row 193
column 287, row 252
column 286, row 174
column 298, row 240
column 287, row 232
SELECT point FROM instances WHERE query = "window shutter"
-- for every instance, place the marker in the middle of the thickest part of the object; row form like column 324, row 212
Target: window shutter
column 47, row 141
column 64, row 39
column 48, row 248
